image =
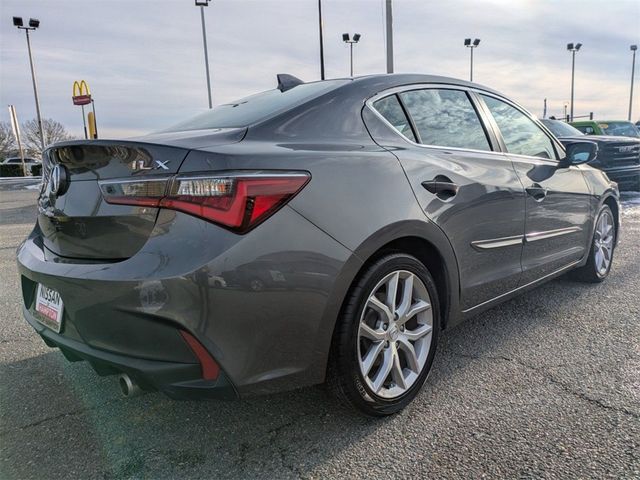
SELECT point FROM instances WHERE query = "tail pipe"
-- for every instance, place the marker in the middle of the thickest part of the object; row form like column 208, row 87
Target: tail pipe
column 128, row 386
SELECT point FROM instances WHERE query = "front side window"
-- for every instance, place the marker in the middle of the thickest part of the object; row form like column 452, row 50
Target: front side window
column 521, row 135
column 445, row 118
column 390, row 108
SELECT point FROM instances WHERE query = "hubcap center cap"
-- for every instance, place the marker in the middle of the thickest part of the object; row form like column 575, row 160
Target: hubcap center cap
column 393, row 333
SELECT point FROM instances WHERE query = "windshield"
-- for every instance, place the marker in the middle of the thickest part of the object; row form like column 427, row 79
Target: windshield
column 254, row 108
column 624, row 129
column 561, row 129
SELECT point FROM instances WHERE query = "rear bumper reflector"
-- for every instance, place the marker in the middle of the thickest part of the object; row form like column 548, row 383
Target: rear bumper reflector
column 210, row 369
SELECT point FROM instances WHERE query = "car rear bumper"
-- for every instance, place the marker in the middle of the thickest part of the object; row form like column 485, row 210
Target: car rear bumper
column 180, row 381
column 262, row 305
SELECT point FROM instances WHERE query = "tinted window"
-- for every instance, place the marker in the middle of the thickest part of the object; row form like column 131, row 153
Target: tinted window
column 521, row 135
column 389, row 107
column 445, row 118
column 256, row 107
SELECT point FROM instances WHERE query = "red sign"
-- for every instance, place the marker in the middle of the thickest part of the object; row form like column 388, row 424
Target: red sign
column 81, row 99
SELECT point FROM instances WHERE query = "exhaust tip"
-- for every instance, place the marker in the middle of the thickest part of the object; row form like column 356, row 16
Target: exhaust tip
column 128, row 387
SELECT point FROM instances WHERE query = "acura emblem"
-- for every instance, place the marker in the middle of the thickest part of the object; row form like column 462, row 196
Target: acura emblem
column 58, row 182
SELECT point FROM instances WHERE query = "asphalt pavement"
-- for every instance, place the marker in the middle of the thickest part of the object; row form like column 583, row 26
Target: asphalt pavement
column 544, row 386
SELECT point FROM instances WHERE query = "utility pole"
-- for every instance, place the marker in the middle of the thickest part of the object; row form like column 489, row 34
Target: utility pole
column 633, row 72
column 202, row 4
column 34, row 23
column 471, row 45
column 389, row 24
column 351, row 41
column 321, row 40
column 573, row 49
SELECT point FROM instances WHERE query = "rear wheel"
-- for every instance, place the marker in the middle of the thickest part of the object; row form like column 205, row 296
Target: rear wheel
column 385, row 340
column 602, row 247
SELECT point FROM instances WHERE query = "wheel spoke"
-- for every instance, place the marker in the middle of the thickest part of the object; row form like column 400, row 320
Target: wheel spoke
column 392, row 292
column 407, row 296
column 368, row 332
column 410, row 354
column 380, row 307
column 599, row 258
column 418, row 333
column 371, row 357
column 418, row 307
column 383, row 372
column 396, row 373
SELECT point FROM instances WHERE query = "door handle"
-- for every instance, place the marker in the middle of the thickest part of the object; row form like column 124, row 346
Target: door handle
column 537, row 191
column 441, row 186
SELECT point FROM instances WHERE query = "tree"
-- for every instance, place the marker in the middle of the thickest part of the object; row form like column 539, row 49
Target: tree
column 54, row 132
column 8, row 144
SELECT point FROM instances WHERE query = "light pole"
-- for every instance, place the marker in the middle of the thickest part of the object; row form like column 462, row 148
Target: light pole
column 471, row 45
column 321, row 40
column 202, row 4
column 633, row 72
column 351, row 41
column 573, row 49
column 33, row 24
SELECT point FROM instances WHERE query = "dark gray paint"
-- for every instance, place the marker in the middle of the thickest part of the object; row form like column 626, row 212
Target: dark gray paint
column 365, row 192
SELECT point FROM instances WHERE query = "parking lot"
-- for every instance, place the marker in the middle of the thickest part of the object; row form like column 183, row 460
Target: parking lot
column 544, row 386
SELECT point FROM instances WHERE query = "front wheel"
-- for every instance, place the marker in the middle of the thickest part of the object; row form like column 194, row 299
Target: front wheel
column 386, row 338
column 598, row 265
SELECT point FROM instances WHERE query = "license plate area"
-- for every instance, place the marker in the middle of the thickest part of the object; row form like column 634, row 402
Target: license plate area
column 49, row 307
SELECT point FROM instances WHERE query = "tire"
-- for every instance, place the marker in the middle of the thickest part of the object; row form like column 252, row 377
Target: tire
column 594, row 271
column 364, row 332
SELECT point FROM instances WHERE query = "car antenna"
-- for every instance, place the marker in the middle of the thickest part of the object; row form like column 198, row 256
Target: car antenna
column 287, row 82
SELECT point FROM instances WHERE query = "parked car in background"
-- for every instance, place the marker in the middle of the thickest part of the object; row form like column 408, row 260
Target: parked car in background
column 30, row 163
column 618, row 157
column 351, row 220
column 620, row 128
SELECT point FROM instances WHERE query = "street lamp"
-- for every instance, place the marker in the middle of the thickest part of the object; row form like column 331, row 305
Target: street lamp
column 471, row 45
column 33, row 24
column 633, row 48
column 351, row 41
column 573, row 49
column 202, row 4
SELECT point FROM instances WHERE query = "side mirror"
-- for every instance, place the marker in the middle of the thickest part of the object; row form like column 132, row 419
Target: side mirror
column 579, row 152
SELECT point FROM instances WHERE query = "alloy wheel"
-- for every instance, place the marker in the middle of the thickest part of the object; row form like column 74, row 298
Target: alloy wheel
column 603, row 243
column 394, row 334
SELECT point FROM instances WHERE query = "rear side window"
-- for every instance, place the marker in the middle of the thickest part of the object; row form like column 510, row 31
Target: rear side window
column 390, row 108
column 445, row 118
column 521, row 135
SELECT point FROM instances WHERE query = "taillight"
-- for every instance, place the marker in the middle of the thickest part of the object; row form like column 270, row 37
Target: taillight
column 238, row 201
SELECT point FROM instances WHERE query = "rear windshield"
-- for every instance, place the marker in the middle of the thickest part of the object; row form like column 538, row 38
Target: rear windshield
column 561, row 129
column 260, row 106
column 625, row 129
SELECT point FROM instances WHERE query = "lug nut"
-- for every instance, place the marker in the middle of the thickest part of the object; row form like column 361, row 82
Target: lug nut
column 385, row 326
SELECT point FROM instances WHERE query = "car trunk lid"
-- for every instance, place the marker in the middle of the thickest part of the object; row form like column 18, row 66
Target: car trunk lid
column 74, row 219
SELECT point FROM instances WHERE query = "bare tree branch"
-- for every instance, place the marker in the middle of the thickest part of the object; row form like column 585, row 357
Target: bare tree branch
column 8, row 145
column 54, row 132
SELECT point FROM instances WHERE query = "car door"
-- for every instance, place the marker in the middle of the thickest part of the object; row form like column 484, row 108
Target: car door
column 470, row 190
column 558, row 219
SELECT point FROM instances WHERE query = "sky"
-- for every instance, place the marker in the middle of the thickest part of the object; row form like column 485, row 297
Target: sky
column 144, row 63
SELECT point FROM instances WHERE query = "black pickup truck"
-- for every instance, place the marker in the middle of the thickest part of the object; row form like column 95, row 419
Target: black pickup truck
column 618, row 157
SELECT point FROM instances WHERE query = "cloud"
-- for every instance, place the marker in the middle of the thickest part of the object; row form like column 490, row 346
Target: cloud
column 144, row 62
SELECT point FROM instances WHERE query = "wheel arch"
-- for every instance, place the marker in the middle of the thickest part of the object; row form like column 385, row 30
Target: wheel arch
column 423, row 240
